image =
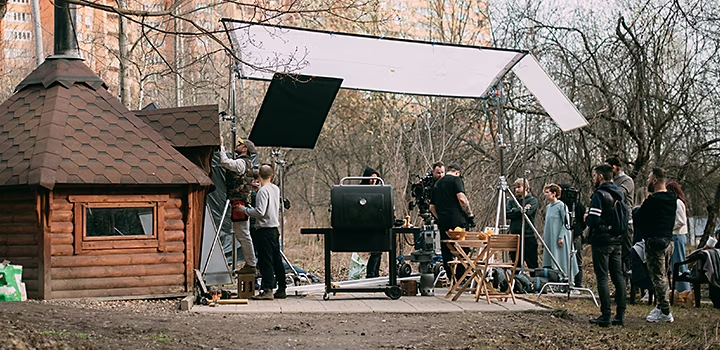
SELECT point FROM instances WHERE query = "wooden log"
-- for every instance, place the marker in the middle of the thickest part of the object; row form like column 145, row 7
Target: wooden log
column 101, row 198
column 18, row 239
column 19, row 228
column 61, row 273
column 19, row 195
column 61, row 216
column 61, row 204
column 174, row 236
column 26, row 262
column 117, row 282
column 174, row 246
column 18, row 251
column 58, row 250
column 119, row 251
column 62, row 238
column 62, row 227
column 18, row 217
column 27, row 206
column 135, row 243
column 32, row 285
column 29, row 274
column 172, row 225
column 140, row 293
column 173, row 214
column 116, row 260
column 173, row 203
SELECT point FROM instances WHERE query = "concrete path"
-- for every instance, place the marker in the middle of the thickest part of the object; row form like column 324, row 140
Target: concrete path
column 372, row 302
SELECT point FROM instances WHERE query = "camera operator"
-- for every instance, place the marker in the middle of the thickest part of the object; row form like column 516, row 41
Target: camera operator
column 515, row 215
column 450, row 206
column 571, row 197
column 438, row 171
column 239, row 178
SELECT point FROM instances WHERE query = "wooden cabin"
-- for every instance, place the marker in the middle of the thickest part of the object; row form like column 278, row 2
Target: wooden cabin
column 94, row 202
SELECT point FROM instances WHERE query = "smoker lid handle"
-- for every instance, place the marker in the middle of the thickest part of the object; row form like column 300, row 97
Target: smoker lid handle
column 362, row 178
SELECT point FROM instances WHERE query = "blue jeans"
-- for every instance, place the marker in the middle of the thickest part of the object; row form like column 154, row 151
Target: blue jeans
column 678, row 255
column 608, row 260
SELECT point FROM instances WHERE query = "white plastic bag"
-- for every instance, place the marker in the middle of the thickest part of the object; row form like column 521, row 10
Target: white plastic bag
column 358, row 267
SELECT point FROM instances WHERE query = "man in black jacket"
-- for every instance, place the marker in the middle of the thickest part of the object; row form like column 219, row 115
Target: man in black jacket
column 606, row 249
column 514, row 214
column 656, row 219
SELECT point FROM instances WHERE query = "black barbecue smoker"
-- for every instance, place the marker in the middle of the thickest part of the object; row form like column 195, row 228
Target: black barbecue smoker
column 362, row 221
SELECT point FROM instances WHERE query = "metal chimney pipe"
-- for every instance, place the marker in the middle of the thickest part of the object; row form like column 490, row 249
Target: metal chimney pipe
column 66, row 45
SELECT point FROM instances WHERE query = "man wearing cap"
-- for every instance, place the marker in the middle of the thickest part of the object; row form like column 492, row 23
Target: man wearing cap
column 452, row 208
column 239, row 186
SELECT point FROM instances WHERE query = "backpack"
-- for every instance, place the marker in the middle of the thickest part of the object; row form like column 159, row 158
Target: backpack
column 617, row 219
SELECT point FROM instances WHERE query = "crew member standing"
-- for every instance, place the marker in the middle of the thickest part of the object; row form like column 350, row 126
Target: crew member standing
column 373, row 265
column 239, row 178
column 656, row 219
column 627, row 185
column 606, row 247
column 267, row 236
column 515, row 215
column 451, row 207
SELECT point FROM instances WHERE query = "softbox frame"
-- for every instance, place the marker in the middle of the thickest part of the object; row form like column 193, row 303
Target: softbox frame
column 294, row 110
column 393, row 65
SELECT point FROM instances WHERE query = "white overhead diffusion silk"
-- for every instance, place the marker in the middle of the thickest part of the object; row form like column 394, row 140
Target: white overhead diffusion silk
column 392, row 65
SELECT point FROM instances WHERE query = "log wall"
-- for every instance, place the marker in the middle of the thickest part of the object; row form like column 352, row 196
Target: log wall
column 20, row 235
column 127, row 272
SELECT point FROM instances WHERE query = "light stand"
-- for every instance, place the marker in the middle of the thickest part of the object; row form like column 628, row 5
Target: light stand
column 570, row 284
column 280, row 162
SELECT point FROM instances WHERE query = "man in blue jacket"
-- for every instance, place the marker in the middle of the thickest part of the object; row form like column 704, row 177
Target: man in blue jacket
column 606, row 247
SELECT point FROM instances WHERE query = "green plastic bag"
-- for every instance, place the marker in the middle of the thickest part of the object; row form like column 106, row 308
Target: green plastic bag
column 10, row 280
column 357, row 268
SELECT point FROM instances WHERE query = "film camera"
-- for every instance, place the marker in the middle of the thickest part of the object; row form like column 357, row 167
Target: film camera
column 421, row 191
column 570, row 196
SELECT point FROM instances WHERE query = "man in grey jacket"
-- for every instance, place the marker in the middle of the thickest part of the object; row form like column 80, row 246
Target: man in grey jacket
column 627, row 185
column 266, row 236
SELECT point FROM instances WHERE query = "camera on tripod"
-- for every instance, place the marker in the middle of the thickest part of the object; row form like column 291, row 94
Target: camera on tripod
column 570, row 196
column 421, row 191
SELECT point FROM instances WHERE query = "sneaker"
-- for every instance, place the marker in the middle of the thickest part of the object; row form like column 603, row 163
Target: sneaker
column 246, row 270
column 645, row 297
column 601, row 321
column 575, row 292
column 280, row 294
column 659, row 316
column 264, row 295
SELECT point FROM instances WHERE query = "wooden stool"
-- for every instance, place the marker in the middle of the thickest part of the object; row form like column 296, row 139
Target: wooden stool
column 409, row 287
column 246, row 286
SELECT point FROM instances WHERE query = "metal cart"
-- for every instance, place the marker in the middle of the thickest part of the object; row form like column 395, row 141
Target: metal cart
column 362, row 220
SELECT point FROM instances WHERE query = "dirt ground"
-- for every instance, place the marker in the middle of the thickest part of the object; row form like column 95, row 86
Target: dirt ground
column 159, row 324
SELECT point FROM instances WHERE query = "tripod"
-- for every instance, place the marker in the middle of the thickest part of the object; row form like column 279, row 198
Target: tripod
column 570, row 284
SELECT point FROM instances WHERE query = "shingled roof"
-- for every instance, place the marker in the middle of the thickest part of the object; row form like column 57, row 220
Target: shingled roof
column 185, row 126
column 63, row 127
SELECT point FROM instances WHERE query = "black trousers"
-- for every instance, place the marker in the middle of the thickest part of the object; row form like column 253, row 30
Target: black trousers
column 530, row 252
column 269, row 260
column 447, row 255
column 608, row 260
column 373, row 265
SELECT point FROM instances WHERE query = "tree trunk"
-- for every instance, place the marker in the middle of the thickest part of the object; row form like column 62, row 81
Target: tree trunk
column 37, row 32
column 123, row 55
column 713, row 210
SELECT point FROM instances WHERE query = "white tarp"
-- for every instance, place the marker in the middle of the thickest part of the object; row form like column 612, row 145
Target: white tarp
column 393, row 65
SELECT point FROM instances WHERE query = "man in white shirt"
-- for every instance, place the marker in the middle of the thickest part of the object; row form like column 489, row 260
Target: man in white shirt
column 266, row 236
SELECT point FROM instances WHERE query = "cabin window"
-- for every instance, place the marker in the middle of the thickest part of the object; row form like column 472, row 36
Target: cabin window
column 118, row 222
column 104, row 222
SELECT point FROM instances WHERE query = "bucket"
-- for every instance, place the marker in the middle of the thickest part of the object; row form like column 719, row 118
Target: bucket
column 409, row 287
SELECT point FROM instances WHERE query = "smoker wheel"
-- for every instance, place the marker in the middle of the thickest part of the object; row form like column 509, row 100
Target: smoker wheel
column 394, row 292
column 326, row 296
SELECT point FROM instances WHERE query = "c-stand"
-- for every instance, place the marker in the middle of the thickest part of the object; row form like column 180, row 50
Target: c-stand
column 570, row 284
